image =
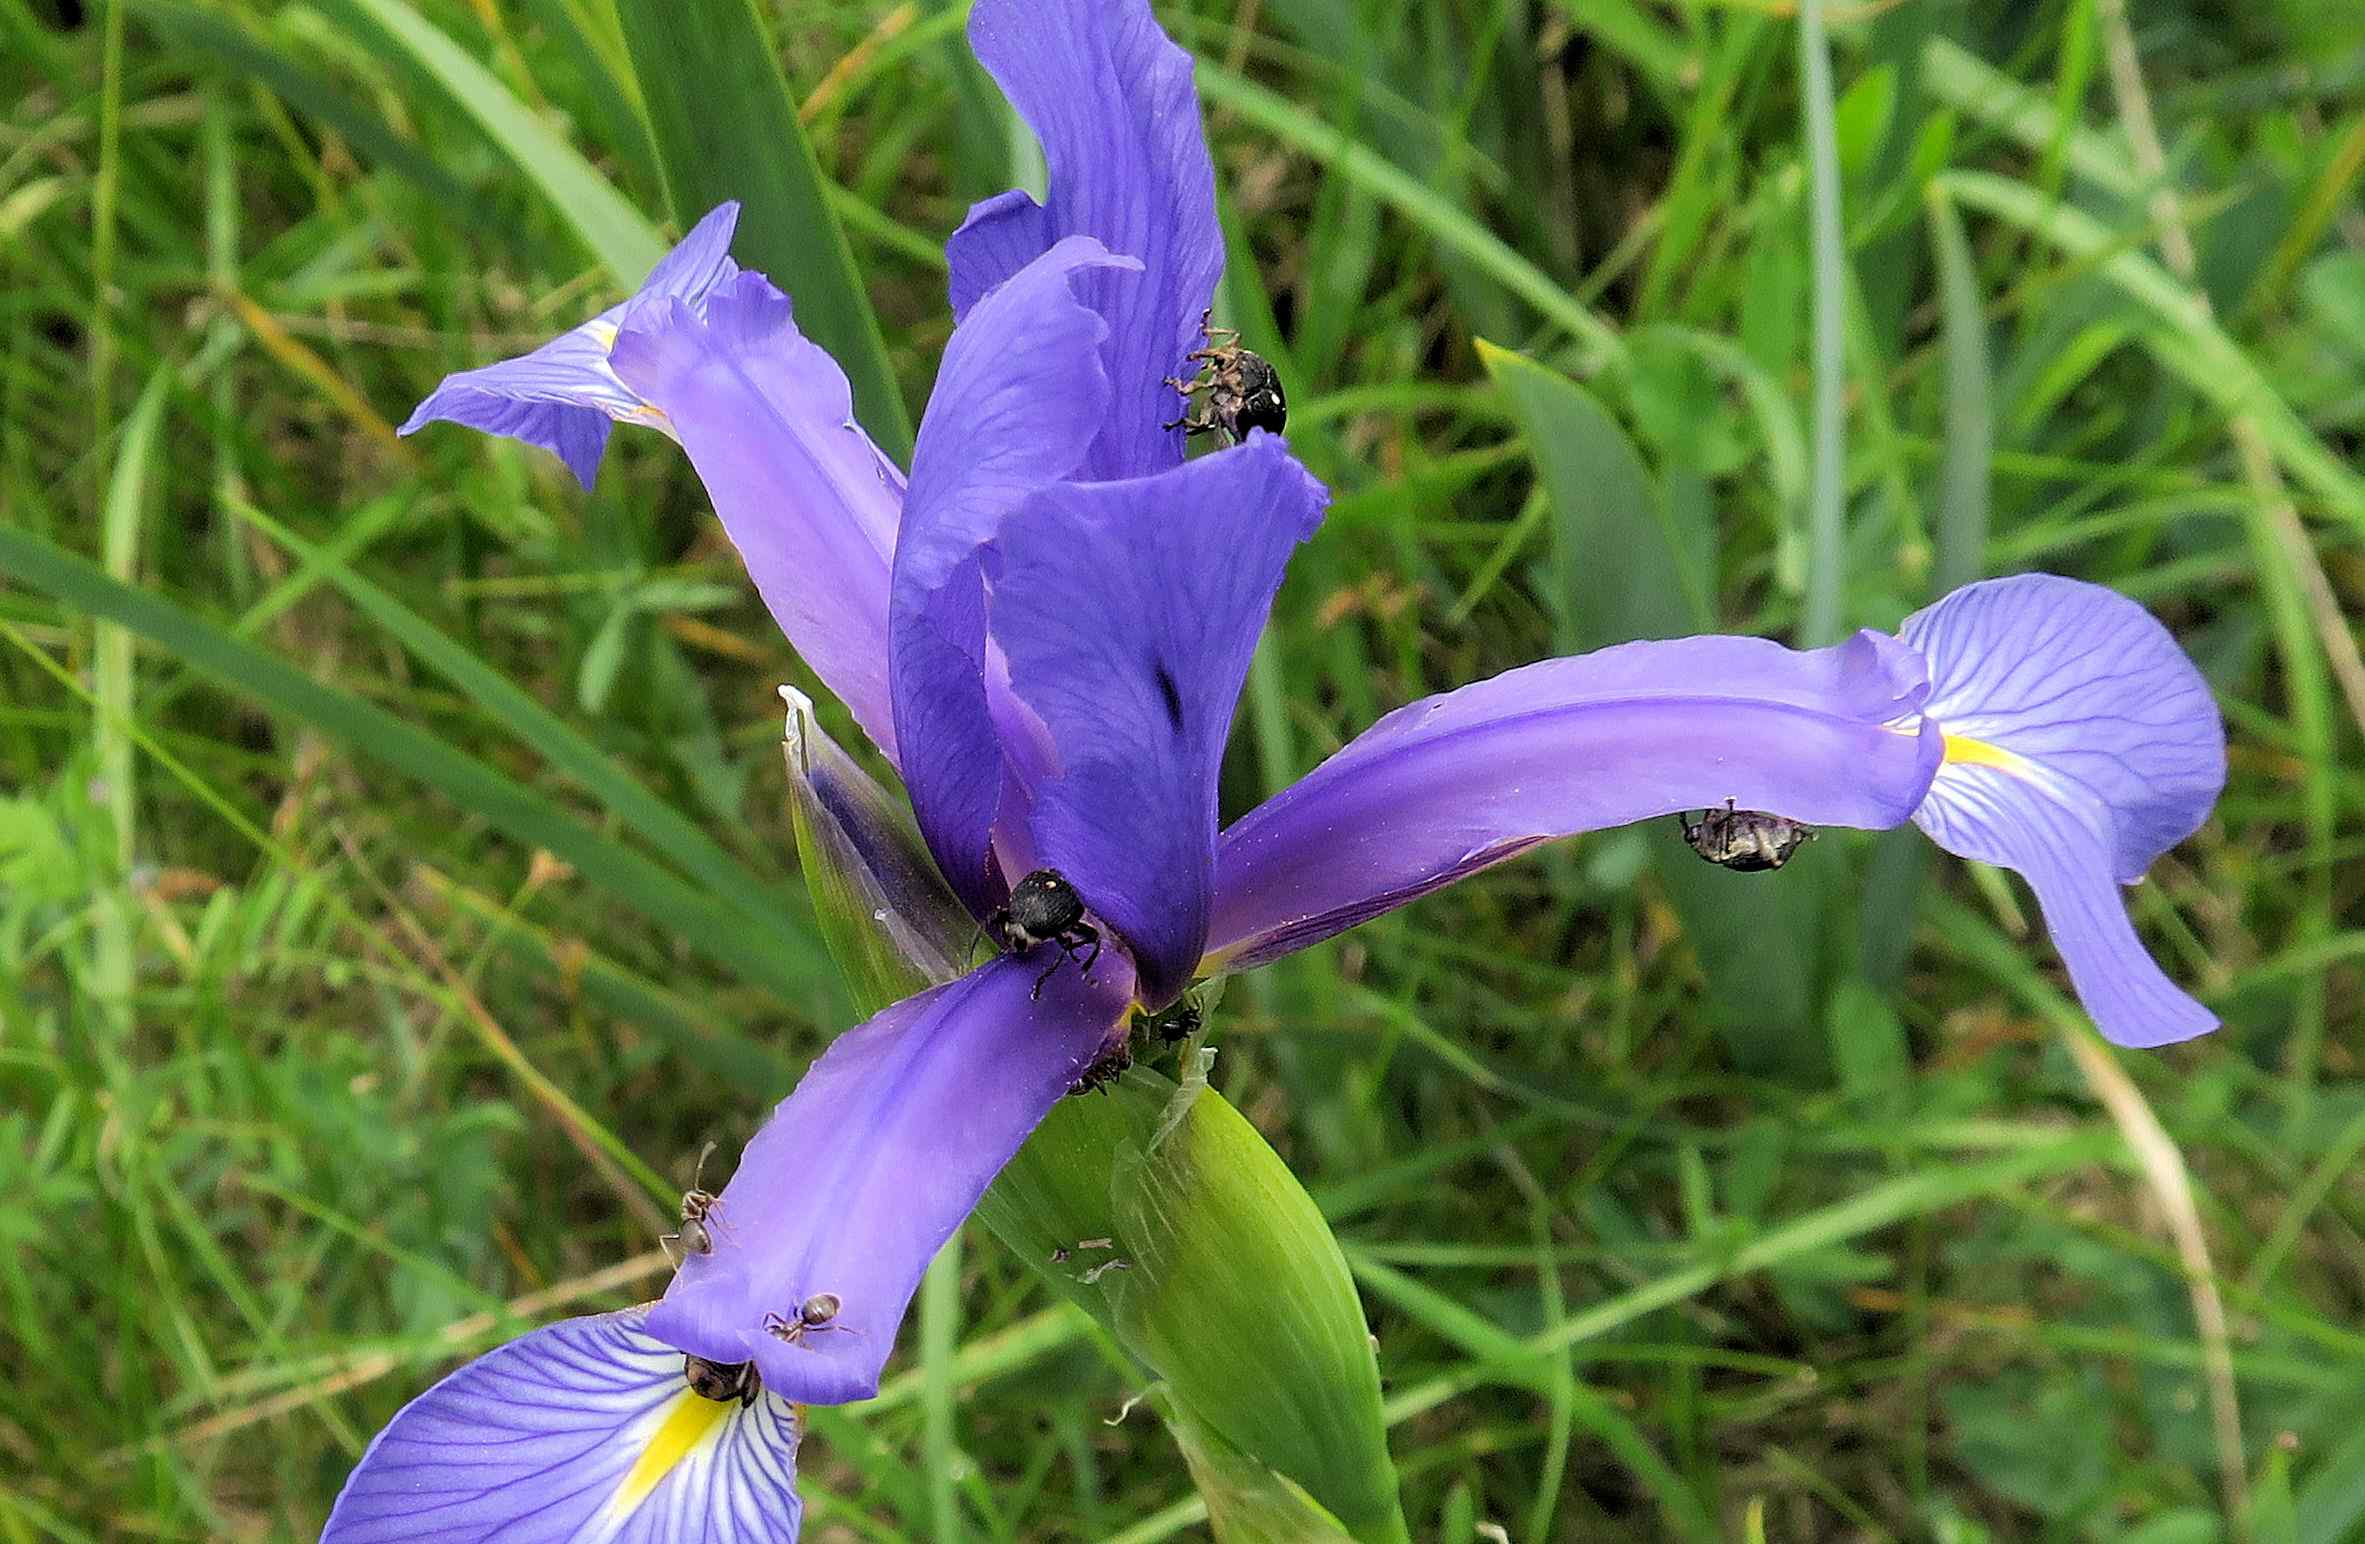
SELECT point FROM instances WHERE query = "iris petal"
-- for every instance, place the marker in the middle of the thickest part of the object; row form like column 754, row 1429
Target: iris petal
column 582, row 1430
column 1019, row 389
column 563, row 395
column 1112, row 100
column 861, row 1174
column 1456, row 783
column 2081, row 744
column 768, row 420
column 1129, row 612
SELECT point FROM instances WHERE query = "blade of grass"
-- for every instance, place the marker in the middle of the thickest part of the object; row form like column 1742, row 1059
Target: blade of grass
column 256, row 58
column 940, row 1338
column 610, row 229
column 789, row 964
column 1901, row 859
column 631, row 1180
column 2156, row 1156
column 566, row 749
column 1972, row 86
column 114, row 684
column 1970, row 414
column 1823, row 618
column 2298, row 591
column 726, row 127
column 1881, row 1206
column 1365, row 168
column 2189, row 342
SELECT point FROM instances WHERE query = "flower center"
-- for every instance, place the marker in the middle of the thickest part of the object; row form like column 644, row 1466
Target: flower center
column 690, row 1422
column 1962, row 750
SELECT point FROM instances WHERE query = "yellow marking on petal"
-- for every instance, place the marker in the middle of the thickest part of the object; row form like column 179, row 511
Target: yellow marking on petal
column 1962, row 750
column 603, row 332
column 693, row 1420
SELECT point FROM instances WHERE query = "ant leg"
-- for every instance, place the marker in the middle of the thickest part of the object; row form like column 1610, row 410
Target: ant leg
column 666, row 1241
column 1091, row 959
column 1036, row 995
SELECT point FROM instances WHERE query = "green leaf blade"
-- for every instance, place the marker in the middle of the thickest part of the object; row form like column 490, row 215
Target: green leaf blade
column 726, row 128
column 611, row 229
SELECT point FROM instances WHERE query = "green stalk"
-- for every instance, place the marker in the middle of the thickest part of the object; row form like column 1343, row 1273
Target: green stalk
column 1827, row 553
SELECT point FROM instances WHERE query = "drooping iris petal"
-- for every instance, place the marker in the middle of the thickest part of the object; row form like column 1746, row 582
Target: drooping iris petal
column 768, row 420
column 583, row 1430
column 2080, row 745
column 1111, row 99
column 1450, row 785
column 1017, row 398
column 861, row 1175
column 1129, row 611
column 562, row 396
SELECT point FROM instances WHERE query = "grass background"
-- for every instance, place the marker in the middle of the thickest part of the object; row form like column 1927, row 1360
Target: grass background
column 394, row 876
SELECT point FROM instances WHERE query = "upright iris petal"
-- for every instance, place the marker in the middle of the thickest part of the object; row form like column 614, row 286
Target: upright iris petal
column 2080, row 745
column 1129, row 611
column 563, row 396
column 711, row 356
column 1016, row 399
column 812, row 505
column 1112, row 101
column 861, row 1175
column 1453, row 784
column 583, row 1430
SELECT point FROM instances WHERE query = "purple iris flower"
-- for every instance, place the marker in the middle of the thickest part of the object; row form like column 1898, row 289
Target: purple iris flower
column 1046, row 630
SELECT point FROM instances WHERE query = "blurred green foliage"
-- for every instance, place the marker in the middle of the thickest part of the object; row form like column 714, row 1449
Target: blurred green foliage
column 396, row 875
